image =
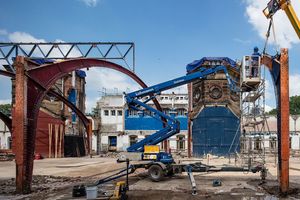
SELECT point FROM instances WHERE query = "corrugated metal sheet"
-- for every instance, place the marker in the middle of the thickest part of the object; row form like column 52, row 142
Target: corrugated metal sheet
column 214, row 130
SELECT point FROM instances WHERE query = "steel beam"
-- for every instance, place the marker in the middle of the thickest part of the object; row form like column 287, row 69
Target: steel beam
column 283, row 122
column 23, row 181
column 279, row 70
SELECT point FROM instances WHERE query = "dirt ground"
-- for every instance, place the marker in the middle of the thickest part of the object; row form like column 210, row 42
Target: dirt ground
column 55, row 178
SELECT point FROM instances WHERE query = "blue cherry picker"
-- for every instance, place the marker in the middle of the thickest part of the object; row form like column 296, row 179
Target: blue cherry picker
column 146, row 153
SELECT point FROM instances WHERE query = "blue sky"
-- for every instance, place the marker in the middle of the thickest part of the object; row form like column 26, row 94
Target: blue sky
column 168, row 34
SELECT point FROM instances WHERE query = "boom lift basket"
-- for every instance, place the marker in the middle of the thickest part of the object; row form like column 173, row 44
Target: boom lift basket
column 251, row 73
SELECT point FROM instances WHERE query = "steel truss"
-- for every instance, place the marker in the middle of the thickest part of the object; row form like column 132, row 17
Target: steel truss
column 121, row 52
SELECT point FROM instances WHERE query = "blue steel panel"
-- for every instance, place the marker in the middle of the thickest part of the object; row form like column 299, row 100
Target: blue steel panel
column 145, row 122
column 213, row 132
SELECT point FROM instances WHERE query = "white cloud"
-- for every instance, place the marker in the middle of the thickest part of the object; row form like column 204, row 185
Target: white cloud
column 99, row 80
column 3, row 32
column 5, row 101
column 90, row 3
column 269, row 90
column 294, row 81
column 268, row 108
column 23, row 37
column 26, row 37
column 90, row 103
column 285, row 34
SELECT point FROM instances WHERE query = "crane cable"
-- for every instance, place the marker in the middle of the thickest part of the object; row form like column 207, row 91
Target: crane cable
column 271, row 25
column 268, row 35
column 275, row 40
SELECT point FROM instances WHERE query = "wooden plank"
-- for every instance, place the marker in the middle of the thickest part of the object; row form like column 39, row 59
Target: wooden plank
column 60, row 139
column 50, row 140
column 56, row 139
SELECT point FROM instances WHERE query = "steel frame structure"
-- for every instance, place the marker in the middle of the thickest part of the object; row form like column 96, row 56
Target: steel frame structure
column 33, row 82
column 111, row 51
column 279, row 69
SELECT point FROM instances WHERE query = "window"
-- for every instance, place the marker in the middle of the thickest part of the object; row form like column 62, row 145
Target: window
column 106, row 112
column 180, row 142
column 257, row 144
column 112, row 143
column 166, row 111
column 120, row 113
column 113, row 113
column 132, row 139
column 290, row 143
column 132, row 112
column 181, row 111
column 273, row 143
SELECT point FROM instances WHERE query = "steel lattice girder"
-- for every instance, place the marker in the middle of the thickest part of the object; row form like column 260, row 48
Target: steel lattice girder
column 113, row 51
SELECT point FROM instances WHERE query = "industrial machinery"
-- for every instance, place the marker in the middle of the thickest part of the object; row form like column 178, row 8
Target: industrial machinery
column 138, row 101
column 146, row 153
column 275, row 5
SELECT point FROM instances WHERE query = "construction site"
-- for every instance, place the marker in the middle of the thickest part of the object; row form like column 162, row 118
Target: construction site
column 217, row 127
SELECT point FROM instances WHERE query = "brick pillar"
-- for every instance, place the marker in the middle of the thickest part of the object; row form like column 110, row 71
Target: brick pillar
column 283, row 123
column 19, row 121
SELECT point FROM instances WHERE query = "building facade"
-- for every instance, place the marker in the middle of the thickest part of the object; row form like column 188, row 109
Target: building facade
column 215, row 109
column 120, row 127
column 266, row 141
column 56, row 114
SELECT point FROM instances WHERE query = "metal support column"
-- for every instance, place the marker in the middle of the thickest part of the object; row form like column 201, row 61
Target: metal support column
column 283, row 123
column 189, row 137
column 19, row 120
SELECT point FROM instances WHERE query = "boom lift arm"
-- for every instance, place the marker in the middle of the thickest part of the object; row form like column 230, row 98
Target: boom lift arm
column 275, row 5
column 173, row 126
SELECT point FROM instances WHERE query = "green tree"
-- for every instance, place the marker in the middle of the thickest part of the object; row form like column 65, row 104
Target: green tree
column 5, row 109
column 294, row 106
column 273, row 112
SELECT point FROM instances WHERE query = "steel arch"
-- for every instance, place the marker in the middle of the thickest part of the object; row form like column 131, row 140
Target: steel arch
column 38, row 82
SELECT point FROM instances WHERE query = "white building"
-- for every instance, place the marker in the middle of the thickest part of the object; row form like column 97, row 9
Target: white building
column 115, row 137
column 110, row 110
column 257, row 141
column 5, row 136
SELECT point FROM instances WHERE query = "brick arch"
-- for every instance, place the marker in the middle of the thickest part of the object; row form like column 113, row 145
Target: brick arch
column 38, row 81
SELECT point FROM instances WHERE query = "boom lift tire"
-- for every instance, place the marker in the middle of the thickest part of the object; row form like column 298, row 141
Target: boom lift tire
column 156, row 173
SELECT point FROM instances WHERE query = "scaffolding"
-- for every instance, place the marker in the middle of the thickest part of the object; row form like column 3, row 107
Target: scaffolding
column 256, row 139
